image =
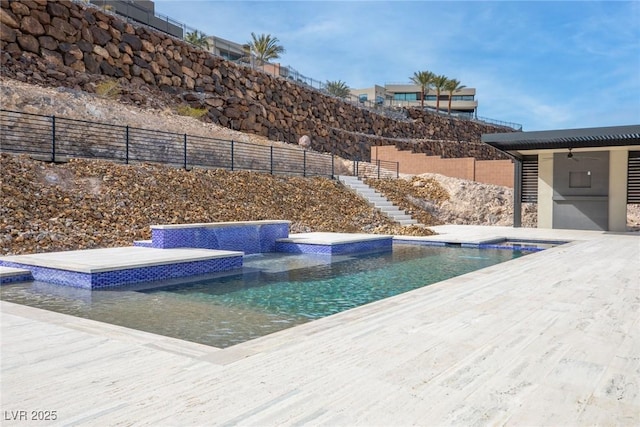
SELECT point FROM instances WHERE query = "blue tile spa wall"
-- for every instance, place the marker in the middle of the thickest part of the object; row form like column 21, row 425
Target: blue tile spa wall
column 247, row 238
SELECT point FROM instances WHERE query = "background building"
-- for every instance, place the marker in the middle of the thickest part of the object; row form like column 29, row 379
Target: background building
column 227, row 49
column 142, row 11
column 463, row 101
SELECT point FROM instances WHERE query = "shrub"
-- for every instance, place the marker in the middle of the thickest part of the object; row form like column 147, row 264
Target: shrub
column 196, row 113
column 109, row 89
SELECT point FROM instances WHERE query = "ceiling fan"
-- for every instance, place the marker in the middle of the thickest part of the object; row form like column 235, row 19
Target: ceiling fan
column 577, row 158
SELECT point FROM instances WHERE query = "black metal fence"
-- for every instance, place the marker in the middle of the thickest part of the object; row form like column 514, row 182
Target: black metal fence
column 376, row 169
column 58, row 139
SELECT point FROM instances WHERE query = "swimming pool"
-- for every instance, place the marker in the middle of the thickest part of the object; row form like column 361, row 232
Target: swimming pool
column 271, row 292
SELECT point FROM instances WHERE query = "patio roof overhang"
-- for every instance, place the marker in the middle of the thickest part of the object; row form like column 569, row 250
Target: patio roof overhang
column 515, row 143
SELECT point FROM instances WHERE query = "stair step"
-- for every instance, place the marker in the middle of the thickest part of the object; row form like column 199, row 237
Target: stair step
column 402, row 217
column 391, row 209
column 377, row 200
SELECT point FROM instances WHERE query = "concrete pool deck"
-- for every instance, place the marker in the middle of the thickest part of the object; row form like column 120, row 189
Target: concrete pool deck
column 546, row 339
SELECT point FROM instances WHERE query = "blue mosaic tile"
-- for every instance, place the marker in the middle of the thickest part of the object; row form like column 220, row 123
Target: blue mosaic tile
column 420, row 242
column 250, row 239
column 130, row 276
column 511, row 248
column 301, row 248
column 246, row 239
column 358, row 247
column 16, row 278
column 339, row 249
column 269, row 233
column 143, row 243
column 161, row 272
column 470, row 245
column 52, row 275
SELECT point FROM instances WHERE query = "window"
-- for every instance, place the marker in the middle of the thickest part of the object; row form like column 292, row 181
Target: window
column 231, row 56
column 406, row 96
column 462, row 98
column 363, row 98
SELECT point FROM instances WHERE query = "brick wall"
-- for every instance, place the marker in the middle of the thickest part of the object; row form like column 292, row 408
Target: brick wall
column 497, row 172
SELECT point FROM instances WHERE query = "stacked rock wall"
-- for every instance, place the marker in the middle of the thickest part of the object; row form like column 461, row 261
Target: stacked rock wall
column 64, row 43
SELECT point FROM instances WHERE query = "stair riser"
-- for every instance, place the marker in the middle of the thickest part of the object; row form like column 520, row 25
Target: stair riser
column 377, row 200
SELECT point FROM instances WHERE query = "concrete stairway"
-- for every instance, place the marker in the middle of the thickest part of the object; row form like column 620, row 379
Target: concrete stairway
column 377, row 200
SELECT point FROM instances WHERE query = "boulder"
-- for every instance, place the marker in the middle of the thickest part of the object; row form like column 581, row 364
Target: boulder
column 304, row 141
column 31, row 25
column 29, row 43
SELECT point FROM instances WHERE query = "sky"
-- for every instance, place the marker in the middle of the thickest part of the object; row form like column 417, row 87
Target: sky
column 544, row 65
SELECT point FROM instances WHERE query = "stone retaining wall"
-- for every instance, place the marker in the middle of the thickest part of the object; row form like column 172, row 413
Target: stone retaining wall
column 63, row 43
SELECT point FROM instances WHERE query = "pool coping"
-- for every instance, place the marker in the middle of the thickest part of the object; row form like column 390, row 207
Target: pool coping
column 218, row 224
column 91, row 261
column 329, row 239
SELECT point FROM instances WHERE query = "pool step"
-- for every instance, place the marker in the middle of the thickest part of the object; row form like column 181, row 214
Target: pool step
column 377, row 200
column 13, row 275
column 108, row 267
column 334, row 243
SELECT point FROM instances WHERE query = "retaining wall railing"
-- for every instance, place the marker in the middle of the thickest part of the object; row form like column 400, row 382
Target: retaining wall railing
column 57, row 139
column 376, row 169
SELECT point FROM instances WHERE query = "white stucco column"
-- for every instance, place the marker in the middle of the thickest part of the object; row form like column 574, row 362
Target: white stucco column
column 545, row 190
column 618, row 160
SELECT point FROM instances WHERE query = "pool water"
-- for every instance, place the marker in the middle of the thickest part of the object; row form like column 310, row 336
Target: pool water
column 270, row 293
column 522, row 245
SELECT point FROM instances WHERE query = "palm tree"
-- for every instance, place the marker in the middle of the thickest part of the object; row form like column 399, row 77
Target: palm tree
column 338, row 88
column 424, row 79
column 264, row 47
column 198, row 39
column 451, row 86
column 439, row 83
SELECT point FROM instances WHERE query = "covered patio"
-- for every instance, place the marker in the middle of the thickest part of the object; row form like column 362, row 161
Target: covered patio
column 580, row 178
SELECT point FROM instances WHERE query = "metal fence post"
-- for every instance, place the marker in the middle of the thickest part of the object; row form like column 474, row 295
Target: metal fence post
column 271, row 167
column 304, row 163
column 53, row 138
column 232, row 155
column 397, row 170
column 185, row 151
column 333, row 171
column 126, row 158
column 378, row 164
